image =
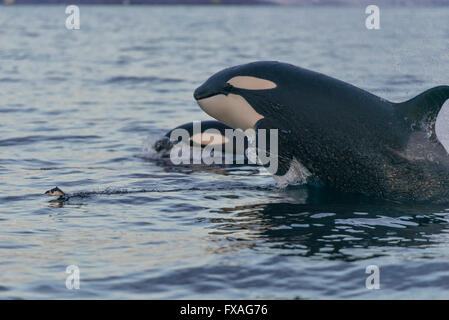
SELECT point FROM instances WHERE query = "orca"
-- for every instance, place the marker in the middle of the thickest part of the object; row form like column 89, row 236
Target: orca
column 205, row 137
column 200, row 141
column 335, row 134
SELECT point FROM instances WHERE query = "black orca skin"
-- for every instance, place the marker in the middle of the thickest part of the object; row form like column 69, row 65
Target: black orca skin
column 348, row 138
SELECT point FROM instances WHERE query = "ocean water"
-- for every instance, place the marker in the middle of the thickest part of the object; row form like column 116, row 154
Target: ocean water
column 80, row 109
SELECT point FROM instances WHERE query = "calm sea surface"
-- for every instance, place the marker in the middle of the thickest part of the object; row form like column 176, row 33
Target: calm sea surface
column 80, row 110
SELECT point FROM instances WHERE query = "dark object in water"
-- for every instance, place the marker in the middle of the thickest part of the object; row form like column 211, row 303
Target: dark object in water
column 56, row 192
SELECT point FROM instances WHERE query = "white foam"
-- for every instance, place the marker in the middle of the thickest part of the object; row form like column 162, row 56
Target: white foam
column 296, row 174
column 148, row 147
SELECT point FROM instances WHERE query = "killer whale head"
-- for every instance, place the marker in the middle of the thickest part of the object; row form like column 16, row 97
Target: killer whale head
column 256, row 75
column 242, row 96
column 198, row 139
column 224, row 95
column 201, row 134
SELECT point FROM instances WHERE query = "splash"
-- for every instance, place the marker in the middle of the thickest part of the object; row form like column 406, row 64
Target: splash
column 297, row 174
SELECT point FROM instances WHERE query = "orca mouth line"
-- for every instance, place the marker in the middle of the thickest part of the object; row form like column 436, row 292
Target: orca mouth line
column 204, row 92
column 205, row 95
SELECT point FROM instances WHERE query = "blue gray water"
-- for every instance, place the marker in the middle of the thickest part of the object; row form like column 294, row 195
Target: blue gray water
column 79, row 109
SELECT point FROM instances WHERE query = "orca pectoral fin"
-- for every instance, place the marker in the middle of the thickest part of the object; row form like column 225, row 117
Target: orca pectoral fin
column 422, row 111
column 283, row 153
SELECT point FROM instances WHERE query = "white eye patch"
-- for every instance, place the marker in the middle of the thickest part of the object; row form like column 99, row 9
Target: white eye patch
column 442, row 126
column 206, row 138
column 251, row 83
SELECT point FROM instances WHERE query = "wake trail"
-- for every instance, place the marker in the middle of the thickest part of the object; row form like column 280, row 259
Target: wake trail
column 123, row 191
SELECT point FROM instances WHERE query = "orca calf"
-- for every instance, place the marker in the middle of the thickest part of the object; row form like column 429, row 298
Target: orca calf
column 205, row 137
column 335, row 133
column 195, row 140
